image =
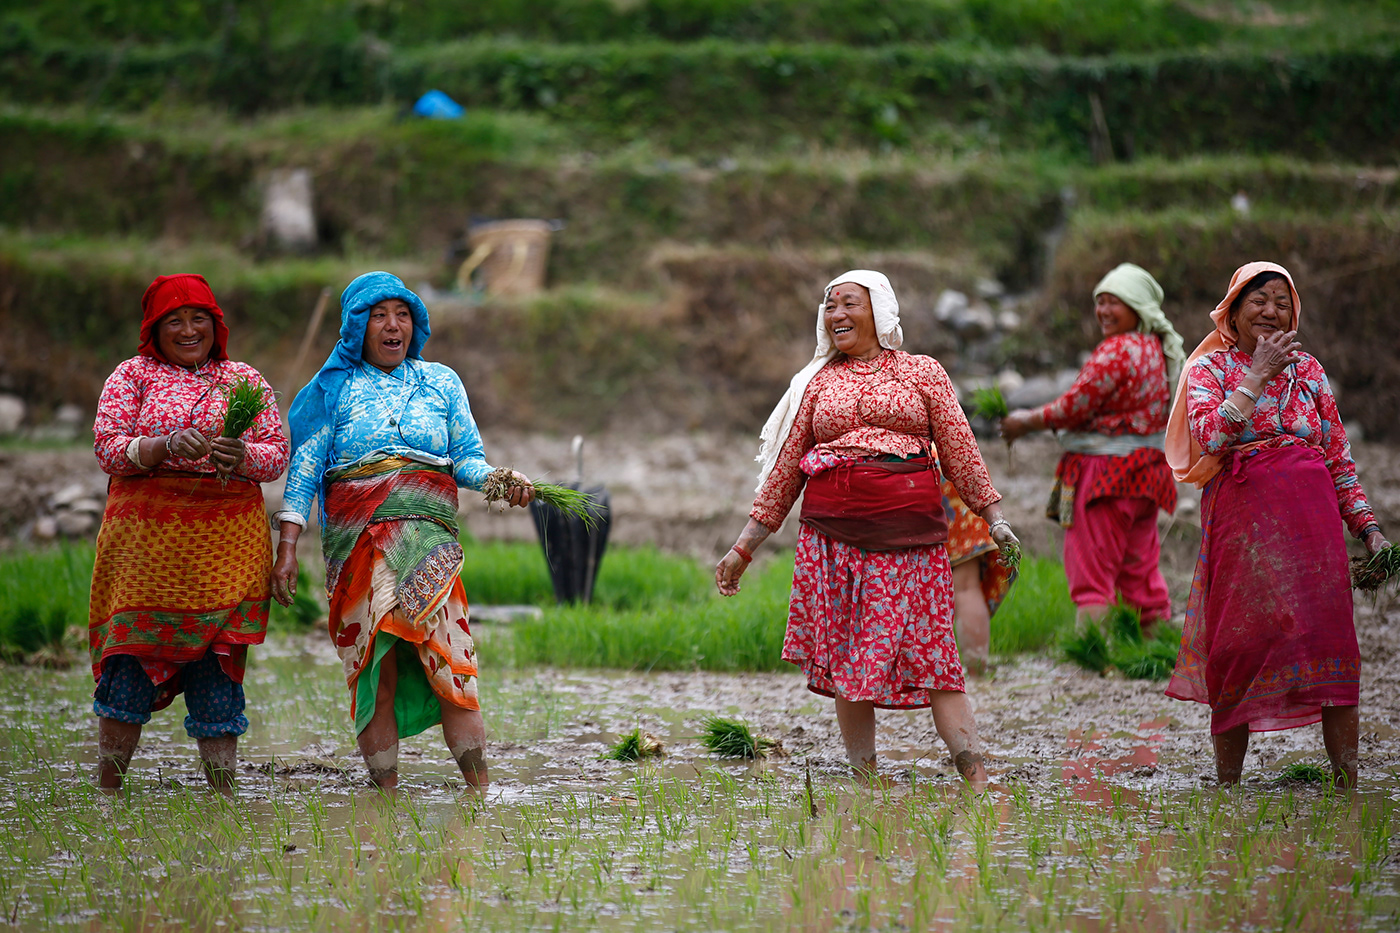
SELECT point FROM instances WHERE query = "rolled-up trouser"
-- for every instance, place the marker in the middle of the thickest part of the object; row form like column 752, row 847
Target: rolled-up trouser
column 1113, row 550
column 215, row 703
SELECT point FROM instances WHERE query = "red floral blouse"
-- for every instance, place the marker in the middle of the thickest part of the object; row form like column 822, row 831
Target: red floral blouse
column 145, row 397
column 897, row 403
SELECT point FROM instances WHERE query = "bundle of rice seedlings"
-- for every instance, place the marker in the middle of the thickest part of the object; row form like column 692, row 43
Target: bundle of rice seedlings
column 730, row 738
column 634, row 746
column 1011, row 557
column 990, row 404
column 245, row 403
column 1305, row 772
column 1123, row 624
column 1147, row 660
column 1088, row 649
column 574, row 503
column 1369, row 574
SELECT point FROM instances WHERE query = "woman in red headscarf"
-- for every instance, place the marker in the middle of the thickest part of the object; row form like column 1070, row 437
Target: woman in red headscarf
column 180, row 588
column 1269, row 640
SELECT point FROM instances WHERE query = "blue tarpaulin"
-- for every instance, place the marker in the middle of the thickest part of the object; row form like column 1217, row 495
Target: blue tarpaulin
column 435, row 105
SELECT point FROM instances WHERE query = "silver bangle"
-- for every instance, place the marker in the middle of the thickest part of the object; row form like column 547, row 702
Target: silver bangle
column 1232, row 412
column 1000, row 521
column 168, row 439
column 1247, row 394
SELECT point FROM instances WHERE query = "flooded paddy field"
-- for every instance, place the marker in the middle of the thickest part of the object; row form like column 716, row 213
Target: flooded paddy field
column 1101, row 816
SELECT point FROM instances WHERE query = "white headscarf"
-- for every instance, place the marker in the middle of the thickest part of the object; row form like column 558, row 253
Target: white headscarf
column 886, row 307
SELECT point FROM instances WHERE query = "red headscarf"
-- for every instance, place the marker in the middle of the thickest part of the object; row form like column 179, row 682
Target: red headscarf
column 169, row 292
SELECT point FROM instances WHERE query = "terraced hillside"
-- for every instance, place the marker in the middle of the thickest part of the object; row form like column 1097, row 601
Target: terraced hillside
column 713, row 163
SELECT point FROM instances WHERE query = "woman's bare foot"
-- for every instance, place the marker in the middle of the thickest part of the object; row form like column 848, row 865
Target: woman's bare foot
column 116, row 743
column 972, row 769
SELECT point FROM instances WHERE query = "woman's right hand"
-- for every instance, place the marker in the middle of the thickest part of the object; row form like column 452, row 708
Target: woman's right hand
column 284, row 574
column 1274, row 353
column 728, row 571
column 189, row 444
column 1018, row 424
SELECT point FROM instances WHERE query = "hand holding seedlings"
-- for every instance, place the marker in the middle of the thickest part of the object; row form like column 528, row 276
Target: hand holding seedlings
column 245, row 403
column 506, row 485
column 1370, row 574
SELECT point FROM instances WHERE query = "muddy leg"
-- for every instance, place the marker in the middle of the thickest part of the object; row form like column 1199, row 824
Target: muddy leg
column 465, row 734
column 952, row 717
column 1229, row 754
column 379, row 742
column 1340, row 725
column 857, row 722
column 219, row 757
column 116, row 743
column 971, row 621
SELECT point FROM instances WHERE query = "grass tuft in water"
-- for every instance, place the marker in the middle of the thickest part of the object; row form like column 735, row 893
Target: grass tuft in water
column 634, row 746
column 1305, row 772
column 730, row 738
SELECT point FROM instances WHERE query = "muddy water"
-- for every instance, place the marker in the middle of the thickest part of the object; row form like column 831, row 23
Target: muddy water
column 1100, row 817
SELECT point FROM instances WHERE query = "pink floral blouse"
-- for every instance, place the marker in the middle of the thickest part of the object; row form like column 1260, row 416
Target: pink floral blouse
column 147, row 398
column 1121, row 389
column 898, row 404
column 1296, row 406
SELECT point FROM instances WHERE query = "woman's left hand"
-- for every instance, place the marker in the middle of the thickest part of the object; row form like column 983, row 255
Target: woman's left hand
column 228, row 453
column 1375, row 541
column 521, row 495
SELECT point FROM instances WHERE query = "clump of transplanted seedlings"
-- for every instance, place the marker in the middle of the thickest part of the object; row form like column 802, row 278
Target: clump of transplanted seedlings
column 1304, row 772
column 245, row 403
column 574, row 503
column 1369, row 574
column 636, row 745
column 730, row 738
column 988, row 403
column 1121, row 644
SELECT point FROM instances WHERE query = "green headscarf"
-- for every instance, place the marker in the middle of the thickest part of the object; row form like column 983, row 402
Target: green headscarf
column 1136, row 288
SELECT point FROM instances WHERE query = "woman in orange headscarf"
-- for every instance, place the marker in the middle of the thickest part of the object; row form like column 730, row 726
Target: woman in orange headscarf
column 1269, row 641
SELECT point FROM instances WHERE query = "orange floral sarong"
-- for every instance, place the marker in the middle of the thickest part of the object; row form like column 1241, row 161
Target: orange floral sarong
column 183, row 567
column 970, row 539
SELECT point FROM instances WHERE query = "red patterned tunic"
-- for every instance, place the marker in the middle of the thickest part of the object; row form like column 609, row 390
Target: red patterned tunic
column 874, row 625
column 1121, row 389
column 148, row 398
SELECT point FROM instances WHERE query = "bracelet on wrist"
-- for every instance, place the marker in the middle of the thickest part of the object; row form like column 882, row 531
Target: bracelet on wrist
column 743, row 553
column 1247, row 394
column 168, row 439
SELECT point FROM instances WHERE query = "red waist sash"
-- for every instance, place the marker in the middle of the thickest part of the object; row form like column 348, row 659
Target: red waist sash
column 878, row 505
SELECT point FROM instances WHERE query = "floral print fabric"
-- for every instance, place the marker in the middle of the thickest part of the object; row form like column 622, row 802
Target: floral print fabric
column 1295, row 407
column 896, row 404
column 419, row 410
column 1121, row 389
column 145, row 397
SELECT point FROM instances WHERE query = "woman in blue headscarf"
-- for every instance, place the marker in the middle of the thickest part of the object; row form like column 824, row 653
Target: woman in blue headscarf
column 382, row 439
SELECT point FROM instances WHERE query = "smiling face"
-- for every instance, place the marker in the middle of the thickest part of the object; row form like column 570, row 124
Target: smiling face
column 186, row 336
column 1265, row 310
column 850, row 320
column 388, row 334
column 1114, row 316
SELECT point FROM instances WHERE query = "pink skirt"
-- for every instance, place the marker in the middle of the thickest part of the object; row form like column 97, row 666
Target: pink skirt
column 1269, row 637
column 872, row 625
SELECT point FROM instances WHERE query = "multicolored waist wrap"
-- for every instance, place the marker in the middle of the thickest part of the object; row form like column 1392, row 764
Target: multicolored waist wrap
column 183, row 566
column 877, row 505
column 409, row 509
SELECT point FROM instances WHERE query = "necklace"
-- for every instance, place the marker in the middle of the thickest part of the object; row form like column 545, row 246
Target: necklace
column 867, row 367
column 384, row 400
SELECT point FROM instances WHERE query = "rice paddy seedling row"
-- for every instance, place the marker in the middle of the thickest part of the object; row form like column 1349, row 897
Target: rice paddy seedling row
column 650, row 845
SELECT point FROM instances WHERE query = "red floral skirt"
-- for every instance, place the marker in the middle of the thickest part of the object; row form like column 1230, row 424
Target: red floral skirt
column 872, row 625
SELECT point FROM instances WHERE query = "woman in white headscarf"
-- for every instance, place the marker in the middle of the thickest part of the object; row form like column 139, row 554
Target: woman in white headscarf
column 864, row 427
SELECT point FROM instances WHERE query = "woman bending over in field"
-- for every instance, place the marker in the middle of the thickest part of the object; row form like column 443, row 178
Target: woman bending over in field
column 1113, row 476
column 863, row 427
column 1269, row 642
column 382, row 439
column 180, row 585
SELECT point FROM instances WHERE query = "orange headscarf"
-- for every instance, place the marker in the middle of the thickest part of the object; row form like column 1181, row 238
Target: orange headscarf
column 1183, row 453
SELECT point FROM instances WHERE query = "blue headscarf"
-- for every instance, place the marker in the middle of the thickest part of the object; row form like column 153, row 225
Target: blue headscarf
column 318, row 400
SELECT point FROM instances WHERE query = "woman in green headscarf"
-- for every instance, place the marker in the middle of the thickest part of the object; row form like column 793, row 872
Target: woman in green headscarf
column 1113, row 476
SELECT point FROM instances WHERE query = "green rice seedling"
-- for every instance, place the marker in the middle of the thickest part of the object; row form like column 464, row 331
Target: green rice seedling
column 575, row 503
column 1088, row 649
column 1369, row 574
column 1011, row 557
column 1146, row 660
column 1036, row 611
column 634, row 746
column 989, row 403
column 1123, row 624
column 1304, row 772
column 730, row 738
column 42, row 595
column 245, row 402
